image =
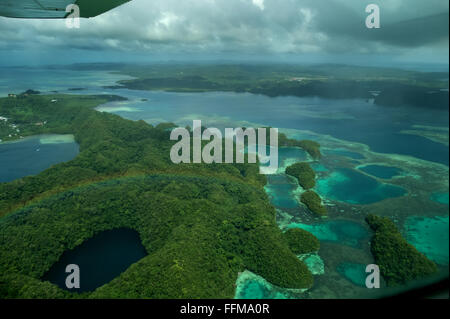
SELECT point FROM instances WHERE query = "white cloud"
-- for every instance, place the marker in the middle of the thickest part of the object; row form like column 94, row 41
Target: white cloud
column 168, row 18
column 259, row 3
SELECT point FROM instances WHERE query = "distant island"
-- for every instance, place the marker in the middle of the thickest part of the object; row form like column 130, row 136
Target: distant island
column 388, row 87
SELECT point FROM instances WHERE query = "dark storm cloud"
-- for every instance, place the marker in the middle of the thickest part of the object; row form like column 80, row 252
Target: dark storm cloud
column 416, row 32
column 402, row 27
column 243, row 26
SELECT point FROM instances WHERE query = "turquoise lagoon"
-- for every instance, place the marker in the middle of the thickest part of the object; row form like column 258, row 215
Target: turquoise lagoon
column 350, row 186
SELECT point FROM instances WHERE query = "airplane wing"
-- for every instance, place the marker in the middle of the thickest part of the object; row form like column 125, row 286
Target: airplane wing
column 55, row 9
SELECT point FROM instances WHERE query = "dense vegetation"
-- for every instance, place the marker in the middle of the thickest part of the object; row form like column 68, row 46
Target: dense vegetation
column 27, row 114
column 398, row 260
column 311, row 147
column 301, row 242
column 313, row 202
column 307, row 179
column 200, row 224
column 304, row 173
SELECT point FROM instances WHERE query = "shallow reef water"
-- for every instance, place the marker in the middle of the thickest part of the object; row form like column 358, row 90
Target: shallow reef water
column 441, row 198
column 252, row 286
column 430, row 236
column 314, row 262
column 281, row 190
column 354, row 272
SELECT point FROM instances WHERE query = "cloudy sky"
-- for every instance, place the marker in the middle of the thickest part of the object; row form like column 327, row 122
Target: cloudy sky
column 301, row 30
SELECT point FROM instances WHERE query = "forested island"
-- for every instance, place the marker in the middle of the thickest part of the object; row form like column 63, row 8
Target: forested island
column 306, row 177
column 304, row 173
column 301, row 242
column 314, row 203
column 200, row 224
column 399, row 261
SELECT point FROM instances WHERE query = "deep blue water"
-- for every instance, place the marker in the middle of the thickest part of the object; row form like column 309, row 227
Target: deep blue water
column 33, row 155
column 100, row 259
column 352, row 120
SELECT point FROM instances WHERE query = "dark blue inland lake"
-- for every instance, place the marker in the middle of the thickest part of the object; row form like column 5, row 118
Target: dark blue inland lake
column 100, row 259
